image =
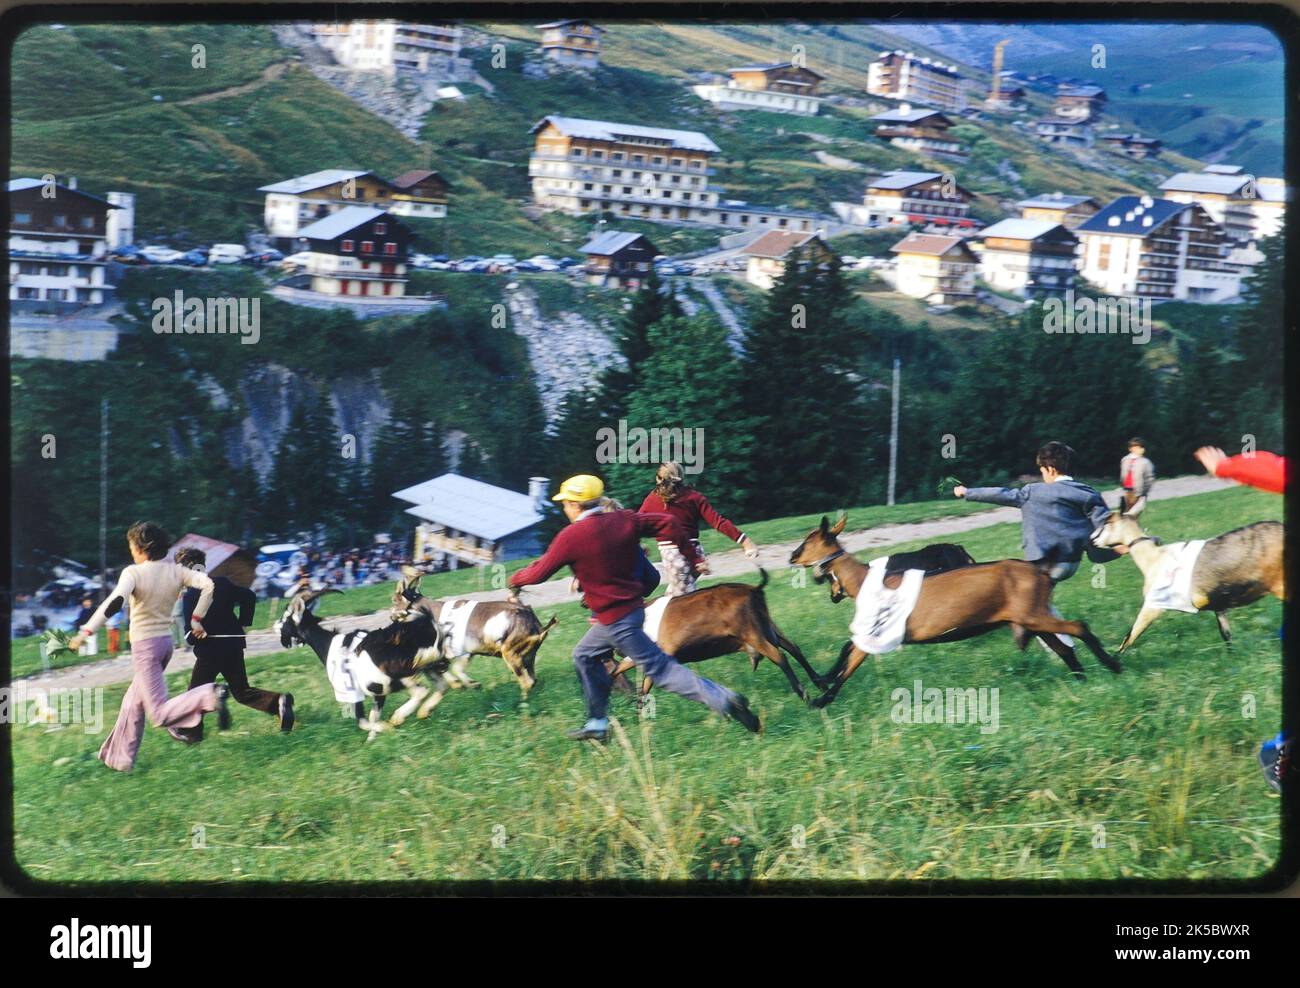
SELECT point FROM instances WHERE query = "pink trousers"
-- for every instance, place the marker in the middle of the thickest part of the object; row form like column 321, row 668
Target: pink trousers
column 148, row 694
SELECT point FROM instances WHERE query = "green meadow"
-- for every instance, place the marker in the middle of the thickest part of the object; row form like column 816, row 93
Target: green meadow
column 1147, row 775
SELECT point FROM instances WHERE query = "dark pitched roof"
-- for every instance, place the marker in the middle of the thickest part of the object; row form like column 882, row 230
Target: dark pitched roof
column 1134, row 216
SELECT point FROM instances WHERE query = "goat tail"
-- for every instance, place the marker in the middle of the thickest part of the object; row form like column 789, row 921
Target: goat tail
column 765, row 578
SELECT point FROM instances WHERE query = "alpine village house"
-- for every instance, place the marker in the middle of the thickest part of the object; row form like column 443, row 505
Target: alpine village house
column 358, row 251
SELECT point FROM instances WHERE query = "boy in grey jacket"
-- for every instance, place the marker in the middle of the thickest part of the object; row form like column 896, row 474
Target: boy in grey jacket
column 1058, row 516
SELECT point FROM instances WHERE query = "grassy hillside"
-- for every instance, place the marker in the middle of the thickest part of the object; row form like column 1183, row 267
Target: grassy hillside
column 195, row 144
column 1150, row 774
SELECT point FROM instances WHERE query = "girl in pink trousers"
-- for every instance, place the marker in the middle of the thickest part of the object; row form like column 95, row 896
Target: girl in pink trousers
column 151, row 586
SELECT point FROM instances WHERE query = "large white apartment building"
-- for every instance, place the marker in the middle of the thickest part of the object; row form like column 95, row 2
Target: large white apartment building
column 580, row 166
column 902, row 75
column 386, row 46
column 1159, row 249
column 1248, row 208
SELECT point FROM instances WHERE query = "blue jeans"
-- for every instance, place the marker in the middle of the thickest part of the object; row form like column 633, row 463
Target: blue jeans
column 625, row 635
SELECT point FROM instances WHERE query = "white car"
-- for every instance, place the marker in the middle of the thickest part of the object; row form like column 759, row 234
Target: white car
column 295, row 261
column 227, row 253
column 161, row 255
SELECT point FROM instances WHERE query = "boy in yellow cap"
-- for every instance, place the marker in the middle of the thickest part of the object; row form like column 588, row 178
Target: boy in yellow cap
column 602, row 546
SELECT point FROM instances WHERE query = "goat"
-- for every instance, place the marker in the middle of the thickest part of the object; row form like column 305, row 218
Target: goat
column 1232, row 570
column 937, row 558
column 720, row 620
column 955, row 605
column 400, row 655
column 505, row 628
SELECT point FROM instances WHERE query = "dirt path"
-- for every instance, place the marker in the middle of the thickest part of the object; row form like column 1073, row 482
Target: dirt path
column 734, row 563
column 269, row 74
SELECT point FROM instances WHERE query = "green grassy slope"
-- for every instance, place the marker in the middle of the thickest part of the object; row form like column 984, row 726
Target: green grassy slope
column 1149, row 774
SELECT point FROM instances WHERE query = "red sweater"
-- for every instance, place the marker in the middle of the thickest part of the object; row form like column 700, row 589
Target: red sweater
column 602, row 549
column 689, row 507
column 1267, row 471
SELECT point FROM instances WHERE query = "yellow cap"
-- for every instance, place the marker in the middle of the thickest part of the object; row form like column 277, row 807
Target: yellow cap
column 583, row 487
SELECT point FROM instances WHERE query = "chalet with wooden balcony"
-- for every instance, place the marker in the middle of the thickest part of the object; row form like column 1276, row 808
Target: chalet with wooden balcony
column 1069, row 211
column 780, row 87
column 936, row 267
column 922, row 131
column 1133, row 146
column 58, row 245
column 358, row 251
column 619, row 260
column 1031, row 258
column 1159, row 249
column 292, row 204
column 652, row 173
column 1082, row 103
column 768, row 255
column 572, row 42
column 421, row 194
column 902, row 198
column 1064, row 131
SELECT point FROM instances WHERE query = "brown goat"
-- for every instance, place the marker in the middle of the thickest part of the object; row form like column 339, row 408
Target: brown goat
column 720, row 620
column 955, row 605
column 493, row 627
column 1235, row 569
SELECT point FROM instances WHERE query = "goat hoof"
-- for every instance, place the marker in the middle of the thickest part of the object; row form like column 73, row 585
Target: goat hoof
column 819, row 702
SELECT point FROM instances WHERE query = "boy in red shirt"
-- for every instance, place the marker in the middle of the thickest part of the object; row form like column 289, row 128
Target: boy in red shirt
column 673, row 496
column 602, row 546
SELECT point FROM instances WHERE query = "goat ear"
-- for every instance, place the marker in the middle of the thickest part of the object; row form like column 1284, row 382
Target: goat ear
column 825, row 526
column 839, row 525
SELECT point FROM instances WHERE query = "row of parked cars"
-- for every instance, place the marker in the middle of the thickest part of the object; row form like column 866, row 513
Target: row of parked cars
column 496, row 264
column 197, row 258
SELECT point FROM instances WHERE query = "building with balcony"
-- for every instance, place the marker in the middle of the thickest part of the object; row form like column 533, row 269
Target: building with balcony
column 1248, row 208
column 1008, row 98
column 1133, row 146
column 1031, row 258
column 1065, row 131
column 922, row 131
column 780, row 87
column 1069, row 211
column 572, row 42
column 292, row 204
column 767, row 256
column 421, row 194
column 465, row 522
column 618, row 260
column 1158, row 249
column 902, row 75
column 58, row 245
column 358, row 251
column 1081, row 103
column 386, row 46
column 935, row 267
column 652, row 173
column 901, row 198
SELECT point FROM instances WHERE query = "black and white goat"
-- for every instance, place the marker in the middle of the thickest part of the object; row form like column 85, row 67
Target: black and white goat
column 401, row 655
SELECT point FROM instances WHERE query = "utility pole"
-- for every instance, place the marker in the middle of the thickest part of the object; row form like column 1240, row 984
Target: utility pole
column 893, row 434
column 103, row 498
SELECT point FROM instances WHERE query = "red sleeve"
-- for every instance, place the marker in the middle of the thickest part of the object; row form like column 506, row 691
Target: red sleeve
column 652, row 505
column 1267, row 471
column 710, row 514
column 666, row 527
column 546, row 566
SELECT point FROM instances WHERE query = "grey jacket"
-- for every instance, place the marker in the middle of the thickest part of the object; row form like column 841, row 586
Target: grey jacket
column 1057, row 519
column 1144, row 473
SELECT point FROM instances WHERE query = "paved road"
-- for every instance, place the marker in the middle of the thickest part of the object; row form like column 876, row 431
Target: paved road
column 734, row 563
